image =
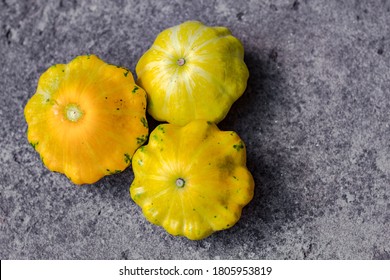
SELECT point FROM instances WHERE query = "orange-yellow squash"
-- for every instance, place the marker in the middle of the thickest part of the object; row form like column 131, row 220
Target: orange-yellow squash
column 86, row 118
column 192, row 180
column 192, row 71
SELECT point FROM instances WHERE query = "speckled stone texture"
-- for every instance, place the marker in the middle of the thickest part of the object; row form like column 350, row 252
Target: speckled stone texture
column 315, row 118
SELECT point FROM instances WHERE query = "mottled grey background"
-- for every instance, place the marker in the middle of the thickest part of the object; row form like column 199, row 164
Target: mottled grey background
column 315, row 118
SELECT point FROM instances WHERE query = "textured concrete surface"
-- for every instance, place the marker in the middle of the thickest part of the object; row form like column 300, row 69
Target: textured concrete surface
column 315, row 118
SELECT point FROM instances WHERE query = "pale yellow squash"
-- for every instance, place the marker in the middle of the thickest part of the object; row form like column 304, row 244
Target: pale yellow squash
column 193, row 71
column 86, row 118
column 192, row 180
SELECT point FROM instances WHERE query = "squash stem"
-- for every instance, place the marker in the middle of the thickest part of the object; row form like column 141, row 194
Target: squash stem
column 73, row 112
column 181, row 61
column 180, row 182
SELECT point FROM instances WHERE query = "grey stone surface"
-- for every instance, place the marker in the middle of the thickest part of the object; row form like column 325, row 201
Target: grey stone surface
column 315, row 118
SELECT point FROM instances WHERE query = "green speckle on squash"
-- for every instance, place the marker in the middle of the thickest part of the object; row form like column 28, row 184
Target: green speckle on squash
column 127, row 159
column 144, row 122
column 126, row 73
column 141, row 139
column 111, row 172
column 34, row 144
column 135, row 89
column 161, row 128
column 239, row 146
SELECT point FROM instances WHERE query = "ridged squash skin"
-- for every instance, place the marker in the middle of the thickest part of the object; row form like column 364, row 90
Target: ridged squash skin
column 192, row 71
column 192, row 180
column 86, row 119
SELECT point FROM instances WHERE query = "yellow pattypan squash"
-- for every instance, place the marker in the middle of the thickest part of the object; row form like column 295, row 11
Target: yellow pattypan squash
column 86, row 118
column 191, row 72
column 192, row 180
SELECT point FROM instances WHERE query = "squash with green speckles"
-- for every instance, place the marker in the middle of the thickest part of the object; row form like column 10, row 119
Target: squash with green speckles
column 192, row 180
column 86, row 118
column 193, row 71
